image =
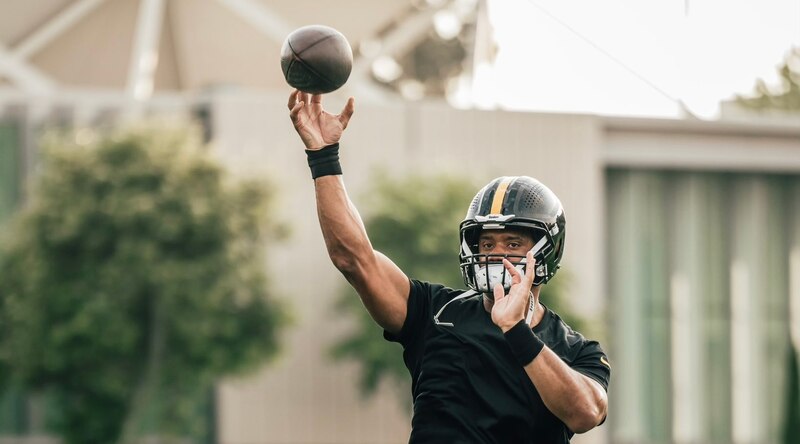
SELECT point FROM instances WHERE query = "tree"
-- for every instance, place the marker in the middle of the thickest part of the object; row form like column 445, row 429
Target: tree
column 787, row 96
column 414, row 221
column 132, row 281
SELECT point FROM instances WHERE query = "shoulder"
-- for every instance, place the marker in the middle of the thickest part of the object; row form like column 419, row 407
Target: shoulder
column 424, row 300
column 433, row 293
column 582, row 354
column 561, row 337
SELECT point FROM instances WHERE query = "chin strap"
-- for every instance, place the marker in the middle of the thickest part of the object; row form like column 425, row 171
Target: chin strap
column 531, row 308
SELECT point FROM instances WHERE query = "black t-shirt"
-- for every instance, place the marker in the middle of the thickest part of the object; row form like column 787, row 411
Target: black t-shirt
column 466, row 385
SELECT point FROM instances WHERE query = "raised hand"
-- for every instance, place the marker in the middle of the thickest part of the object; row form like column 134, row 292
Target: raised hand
column 317, row 128
column 509, row 309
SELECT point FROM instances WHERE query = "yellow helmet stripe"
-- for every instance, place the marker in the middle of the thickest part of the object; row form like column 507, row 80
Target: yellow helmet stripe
column 500, row 194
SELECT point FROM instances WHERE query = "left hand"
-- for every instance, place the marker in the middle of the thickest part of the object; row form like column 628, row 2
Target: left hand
column 509, row 309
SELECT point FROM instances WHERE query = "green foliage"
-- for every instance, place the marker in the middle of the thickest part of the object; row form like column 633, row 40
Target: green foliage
column 415, row 222
column 787, row 96
column 9, row 170
column 132, row 281
column 554, row 296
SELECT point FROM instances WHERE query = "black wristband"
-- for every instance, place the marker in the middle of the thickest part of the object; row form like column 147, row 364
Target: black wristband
column 525, row 345
column 324, row 161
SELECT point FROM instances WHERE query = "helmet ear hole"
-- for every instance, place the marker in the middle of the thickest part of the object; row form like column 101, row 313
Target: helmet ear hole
column 471, row 237
column 559, row 246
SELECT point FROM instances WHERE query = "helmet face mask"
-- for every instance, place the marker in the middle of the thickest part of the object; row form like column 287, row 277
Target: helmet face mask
column 487, row 274
column 512, row 202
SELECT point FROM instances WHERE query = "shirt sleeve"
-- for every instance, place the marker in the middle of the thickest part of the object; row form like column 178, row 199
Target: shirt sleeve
column 593, row 362
column 417, row 313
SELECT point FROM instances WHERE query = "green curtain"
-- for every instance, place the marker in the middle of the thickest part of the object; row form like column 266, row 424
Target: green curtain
column 639, row 311
column 699, row 279
column 791, row 429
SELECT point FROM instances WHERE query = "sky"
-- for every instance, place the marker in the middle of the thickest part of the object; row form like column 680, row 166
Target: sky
column 652, row 58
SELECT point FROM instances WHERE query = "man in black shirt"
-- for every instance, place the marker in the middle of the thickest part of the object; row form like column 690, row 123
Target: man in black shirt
column 489, row 364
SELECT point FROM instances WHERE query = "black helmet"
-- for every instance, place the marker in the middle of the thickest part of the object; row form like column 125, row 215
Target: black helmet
column 516, row 201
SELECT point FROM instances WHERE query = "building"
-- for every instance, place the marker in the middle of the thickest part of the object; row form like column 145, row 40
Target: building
column 684, row 235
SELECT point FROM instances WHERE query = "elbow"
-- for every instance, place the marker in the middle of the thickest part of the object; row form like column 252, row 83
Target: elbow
column 586, row 418
column 349, row 261
column 346, row 264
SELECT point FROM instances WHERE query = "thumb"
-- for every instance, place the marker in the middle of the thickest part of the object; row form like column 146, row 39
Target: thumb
column 347, row 112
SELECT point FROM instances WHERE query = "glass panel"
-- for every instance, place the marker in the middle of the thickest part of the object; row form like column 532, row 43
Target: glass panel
column 776, row 337
column 711, row 259
column 791, row 429
column 640, row 309
column 699, row 284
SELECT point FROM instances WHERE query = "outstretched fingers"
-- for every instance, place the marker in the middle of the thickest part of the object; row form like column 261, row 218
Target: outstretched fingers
column 296, row 97
column 297, row 101
column 530, row 268
column 347, row 112
column 293, row 99
column 512, row 270
column 499, row 292
column 294, row 112
column 516, row 276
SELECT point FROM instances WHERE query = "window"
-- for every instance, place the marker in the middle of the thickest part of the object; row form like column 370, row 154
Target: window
column 700, row 278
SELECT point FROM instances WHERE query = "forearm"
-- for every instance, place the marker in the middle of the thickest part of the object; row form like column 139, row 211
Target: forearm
column 382, row 286
column 345, row 237
column 575, row 399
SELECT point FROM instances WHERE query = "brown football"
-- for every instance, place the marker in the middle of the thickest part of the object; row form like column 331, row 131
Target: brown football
column 316, row 59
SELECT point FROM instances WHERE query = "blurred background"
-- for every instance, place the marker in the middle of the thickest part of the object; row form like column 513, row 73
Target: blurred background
column 163, row 277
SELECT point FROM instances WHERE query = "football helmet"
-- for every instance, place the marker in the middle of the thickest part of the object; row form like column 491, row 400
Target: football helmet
column 512, row 201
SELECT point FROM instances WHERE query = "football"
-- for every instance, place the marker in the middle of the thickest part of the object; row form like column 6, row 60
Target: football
column 316, row 59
